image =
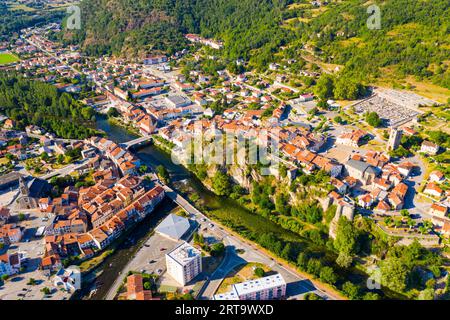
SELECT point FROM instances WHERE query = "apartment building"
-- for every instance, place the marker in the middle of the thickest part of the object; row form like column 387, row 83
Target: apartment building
column 184, row 263
column 266, row 288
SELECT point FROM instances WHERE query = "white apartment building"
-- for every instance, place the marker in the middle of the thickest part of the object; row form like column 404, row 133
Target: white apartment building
column 184, row 263
column 267, row 288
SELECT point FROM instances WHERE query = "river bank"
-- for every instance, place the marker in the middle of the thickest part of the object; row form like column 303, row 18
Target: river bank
column 236, row 219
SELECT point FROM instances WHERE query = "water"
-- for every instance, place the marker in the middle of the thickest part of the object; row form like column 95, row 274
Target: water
column 225, row 209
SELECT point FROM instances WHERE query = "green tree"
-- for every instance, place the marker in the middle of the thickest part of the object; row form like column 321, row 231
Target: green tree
column 217, row 249
column 163, row 174
column 373, row 119
column 344, row 260
column 325, row 86
column 327, row 275
column 351, row 290
column 346, row 236
column 394, row 274
column 221, row 183
column 371, row 296
column 259, row 272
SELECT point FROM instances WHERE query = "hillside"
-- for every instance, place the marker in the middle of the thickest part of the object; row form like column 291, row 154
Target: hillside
column 117, row 26
column 414, row 38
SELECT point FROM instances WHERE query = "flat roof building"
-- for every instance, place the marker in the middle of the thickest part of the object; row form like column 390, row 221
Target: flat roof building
column 266, row 288
column 178, row 101
column 184, row 263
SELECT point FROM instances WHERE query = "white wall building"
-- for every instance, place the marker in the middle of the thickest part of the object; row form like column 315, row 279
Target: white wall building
column 184, row 263
column 267, row 288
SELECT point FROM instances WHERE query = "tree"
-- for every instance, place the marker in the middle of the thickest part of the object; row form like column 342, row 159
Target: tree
column 45, row 157
column 344, row 260
column 60, row 159
column 427, row 294
column 259, row 272
column 404, row 213
column 147, row 285
column 351, row 290
column 217, row 249
column 327, row 275
column 286, row 252
column 312, row 296
column 143, row 168
column 31, row 282
column 394, row 274
column 313, row 267
column 163, row 173
column 411, row 223
column 373, row 119
column 325, row 86
column 221, row 183
column 347, row 89
column 346, row 236
column 338, row 119
column 112, row 112
column 46, row 290
column 21, row 216
column 371, row 296
column 302, row 260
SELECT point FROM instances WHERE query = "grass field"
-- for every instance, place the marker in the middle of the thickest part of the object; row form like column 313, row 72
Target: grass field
column 7, row 58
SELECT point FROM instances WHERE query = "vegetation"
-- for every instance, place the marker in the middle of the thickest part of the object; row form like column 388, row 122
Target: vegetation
column 12, row 21
column 413, row 40
column 373, row 119
column 162, row 173
column 7, row 58
column 33, row 102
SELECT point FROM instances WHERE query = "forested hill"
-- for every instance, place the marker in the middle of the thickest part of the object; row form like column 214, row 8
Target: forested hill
column 414, row 38
column 114, row 26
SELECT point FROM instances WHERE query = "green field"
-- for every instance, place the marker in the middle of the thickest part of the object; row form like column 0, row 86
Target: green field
column 7, row 58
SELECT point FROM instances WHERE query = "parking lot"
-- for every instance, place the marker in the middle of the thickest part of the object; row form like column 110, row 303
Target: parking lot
column 31, row 249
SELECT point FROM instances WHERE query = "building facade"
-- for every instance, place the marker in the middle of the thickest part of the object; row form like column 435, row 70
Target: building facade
column 184, row 263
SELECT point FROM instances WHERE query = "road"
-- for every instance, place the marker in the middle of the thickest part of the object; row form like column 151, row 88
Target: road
column 153, row 250
column 50, row 54
column 64, row 171
column 251, row 254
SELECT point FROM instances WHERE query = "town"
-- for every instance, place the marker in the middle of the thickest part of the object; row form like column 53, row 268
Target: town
column 67, row 202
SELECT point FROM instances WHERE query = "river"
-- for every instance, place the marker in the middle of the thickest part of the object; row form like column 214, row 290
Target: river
column 225, row 209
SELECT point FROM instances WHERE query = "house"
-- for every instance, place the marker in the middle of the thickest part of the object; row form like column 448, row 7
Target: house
column 429, row 147
column 68, row 279
column 147, row 125
column 4, row 215
column 10, row 233
column 383, row 184
column 436, row 176
column 361, row 170
column 353, row 139
column 433, row 189
column 405, row 168
column 382, row 207
column 438, row 209
column 9, row 264
column 9, row 124
column 135, row 288
column 149, row 60
column 395, row 201
column 340, row 186
column 51, row 263
column 365, row 200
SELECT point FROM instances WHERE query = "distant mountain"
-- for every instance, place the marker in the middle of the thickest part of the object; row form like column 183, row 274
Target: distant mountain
column 414, row 38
